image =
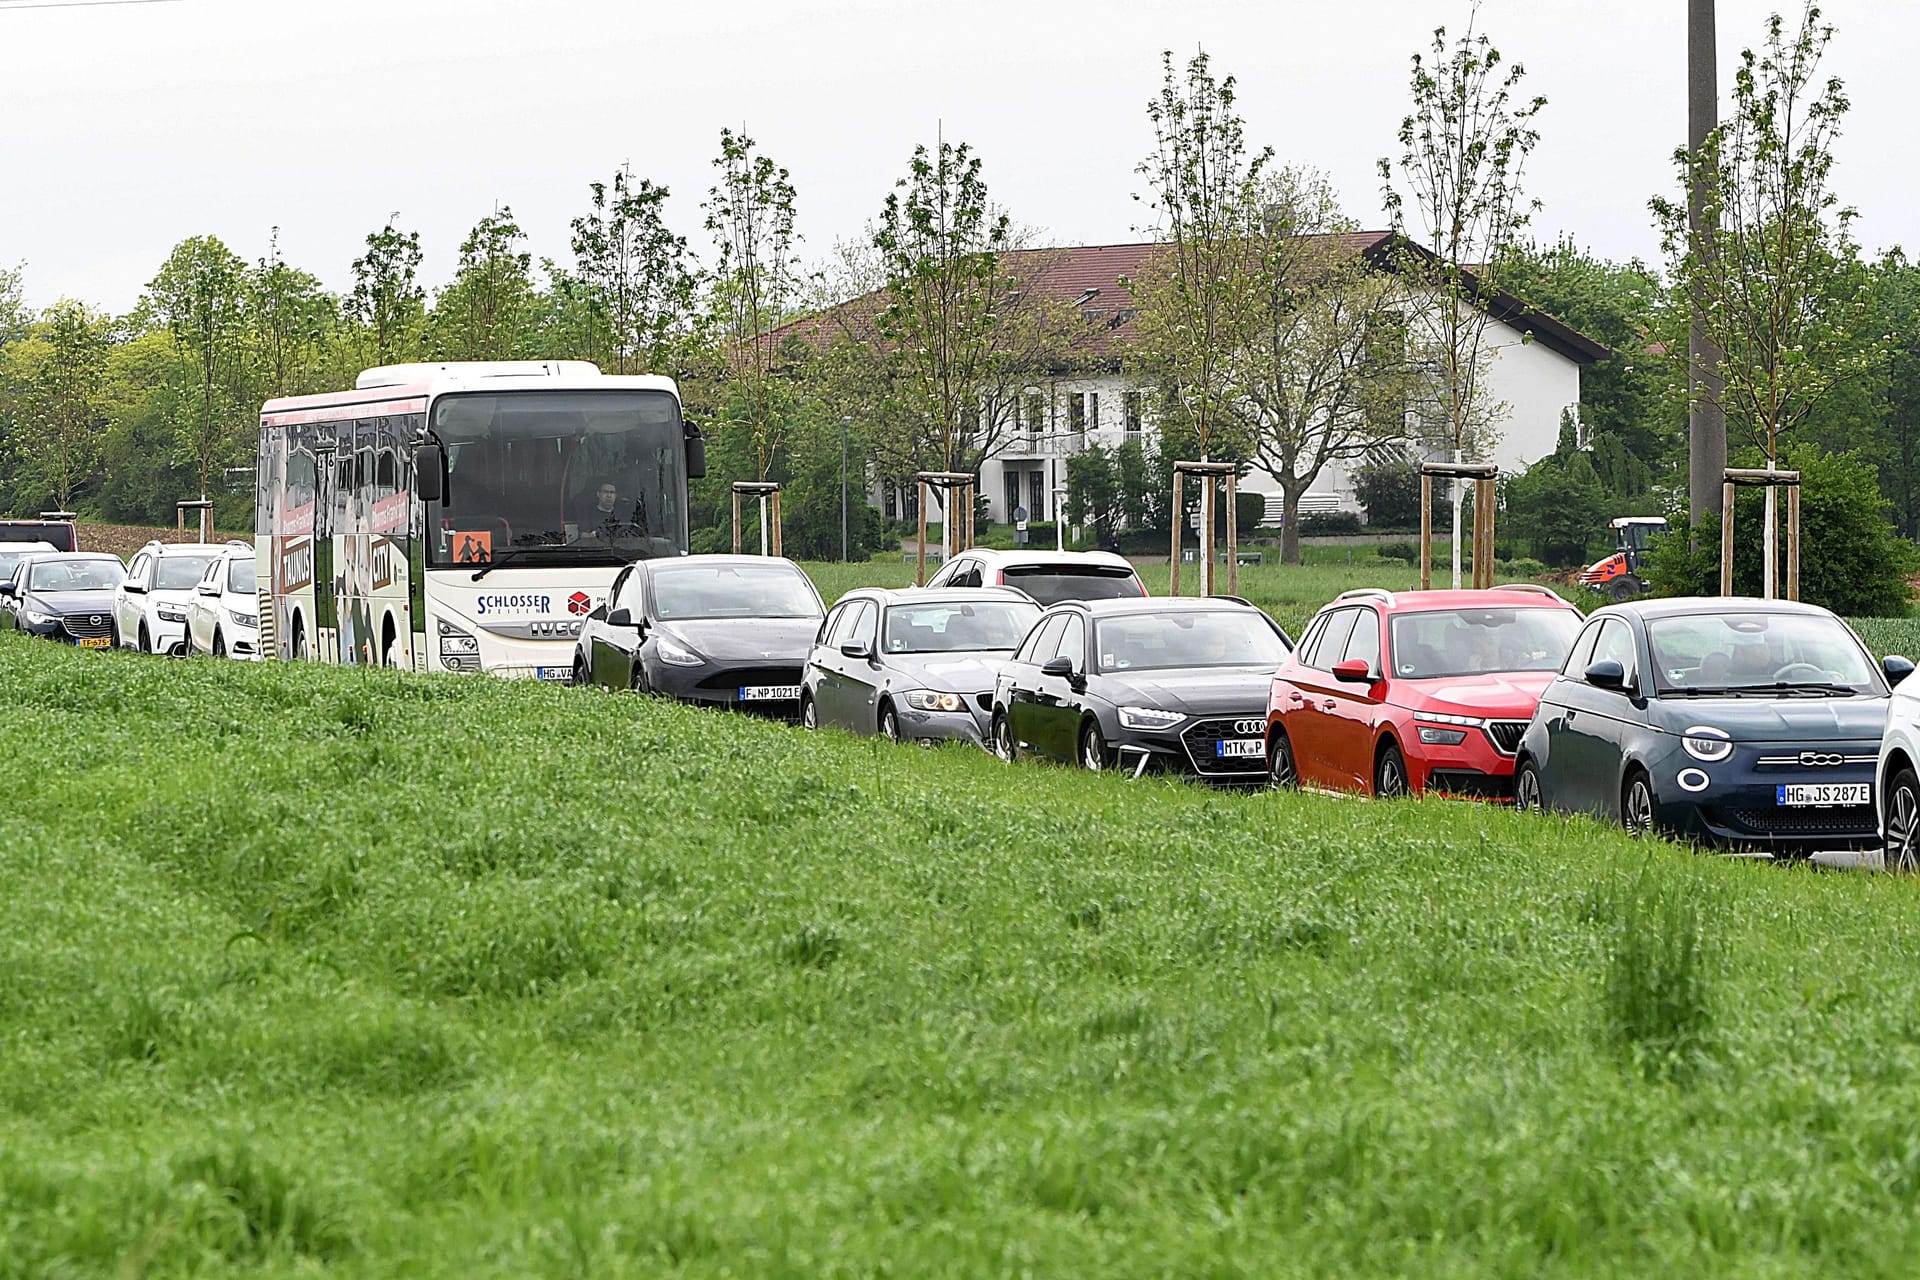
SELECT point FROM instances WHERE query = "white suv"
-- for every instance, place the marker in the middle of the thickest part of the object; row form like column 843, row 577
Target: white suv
column 223, row 617
column 150, row 608
column 1896, row 785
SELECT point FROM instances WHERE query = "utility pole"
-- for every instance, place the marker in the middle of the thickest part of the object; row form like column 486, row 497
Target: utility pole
column 845, row 423
column 1706, row 419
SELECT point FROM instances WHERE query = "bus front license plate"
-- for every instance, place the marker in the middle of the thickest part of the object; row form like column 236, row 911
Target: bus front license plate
column 554, row 673
column 1236, row 748
column 1823, row 795
column 770, row 693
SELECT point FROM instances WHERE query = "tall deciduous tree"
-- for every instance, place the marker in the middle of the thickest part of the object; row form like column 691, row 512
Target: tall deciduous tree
column 965, row 323
column 632, row 276
column 57, row 374
column 290, row 316
column 387, row 300
column 487, row 311
column 200, row 297
column 1780, row 291
column 1457, row 193
column 756, row 280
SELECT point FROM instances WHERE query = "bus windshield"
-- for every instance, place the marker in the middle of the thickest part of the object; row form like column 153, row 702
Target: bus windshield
column 574, row 476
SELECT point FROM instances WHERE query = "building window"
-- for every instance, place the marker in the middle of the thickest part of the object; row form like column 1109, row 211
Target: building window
column 1037, row 495
column 1076, row 413
column 892, row 501
column 1036, row 413
column 1093, row 410
column 1130, row 407
column 912, row 505
column 1013, row 495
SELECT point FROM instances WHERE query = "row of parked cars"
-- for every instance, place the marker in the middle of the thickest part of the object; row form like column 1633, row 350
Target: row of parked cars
column 1727, row 721
column 171, row 598
column 1731, row 721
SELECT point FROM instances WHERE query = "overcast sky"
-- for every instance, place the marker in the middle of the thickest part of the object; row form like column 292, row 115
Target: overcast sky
column 128, row 128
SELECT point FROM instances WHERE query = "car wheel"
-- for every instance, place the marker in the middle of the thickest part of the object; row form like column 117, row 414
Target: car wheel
column 637, row 678
column 113, row 632
column 1003, row 744
column 1282, row 773
column 579, row 676
column 299, row 639
column 1390, row 773
column 219, row 645
column 1636, row 804
column 809, row 714
column 1093, row 748
column 1902, row 851
column 145, row 642
column 1527, row 795
column 889, row 722
column 1621, row 590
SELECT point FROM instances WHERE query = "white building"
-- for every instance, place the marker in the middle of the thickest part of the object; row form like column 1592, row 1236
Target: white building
column 1534, row 373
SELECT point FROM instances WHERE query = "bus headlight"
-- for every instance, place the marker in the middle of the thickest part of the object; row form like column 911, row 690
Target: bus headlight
column 452, row 641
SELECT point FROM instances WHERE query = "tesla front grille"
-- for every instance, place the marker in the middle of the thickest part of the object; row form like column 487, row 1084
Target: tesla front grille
column 87, row 626
column 1203, row 740
column 1505, row 735
column 736, row 677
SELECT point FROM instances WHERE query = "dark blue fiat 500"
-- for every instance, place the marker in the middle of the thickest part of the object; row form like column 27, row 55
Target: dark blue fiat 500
column 1746, row 722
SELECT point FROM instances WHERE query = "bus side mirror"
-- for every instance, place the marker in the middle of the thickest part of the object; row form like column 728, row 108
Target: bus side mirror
column 430, row 473
column 696, row 454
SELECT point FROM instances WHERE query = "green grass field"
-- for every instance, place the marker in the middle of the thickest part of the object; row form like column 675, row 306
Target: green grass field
column 364, row 973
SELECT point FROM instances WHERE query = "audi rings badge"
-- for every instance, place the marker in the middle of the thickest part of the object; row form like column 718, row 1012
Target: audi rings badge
column 1249, row 727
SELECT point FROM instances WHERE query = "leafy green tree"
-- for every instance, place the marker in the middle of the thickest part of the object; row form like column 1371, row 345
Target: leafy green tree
column 1095, row 495
column 1557, row 504
column 55, row 375
column 290, row 317
column 1776, row 277
column 1851, row 560
column 487, row 312
column 387, row 301
column 1464, row 150
column 200, row 297
column 631, row 291
column 1388, row 488
column 146, row 395
column 756, row 281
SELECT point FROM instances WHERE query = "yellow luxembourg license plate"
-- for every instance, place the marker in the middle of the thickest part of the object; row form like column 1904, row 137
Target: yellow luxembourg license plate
column 94, row 642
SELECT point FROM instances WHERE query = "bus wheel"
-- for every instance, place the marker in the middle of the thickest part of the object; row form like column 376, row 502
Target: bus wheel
column 299, row 638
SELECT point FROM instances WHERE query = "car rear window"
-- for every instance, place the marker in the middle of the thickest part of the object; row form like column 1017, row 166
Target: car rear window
column 1052, row 583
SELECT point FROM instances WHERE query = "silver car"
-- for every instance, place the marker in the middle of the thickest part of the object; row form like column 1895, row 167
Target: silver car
column 914, row 665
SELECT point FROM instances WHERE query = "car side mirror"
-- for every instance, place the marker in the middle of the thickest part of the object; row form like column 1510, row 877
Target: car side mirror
column 1896, row 667
column 134, row 588
column 430, row 473
column 857, row 649
column 209, row 588
column 1607, row 674
column 1354, row 671
column 1058, row 668
column 7, row 589
column 696, row 455
column 621, row 618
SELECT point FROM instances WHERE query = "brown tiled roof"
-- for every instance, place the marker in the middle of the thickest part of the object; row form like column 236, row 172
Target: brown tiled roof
column 1094, row 276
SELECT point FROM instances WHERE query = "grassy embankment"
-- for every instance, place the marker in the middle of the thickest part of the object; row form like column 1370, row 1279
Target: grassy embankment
column 388, row 974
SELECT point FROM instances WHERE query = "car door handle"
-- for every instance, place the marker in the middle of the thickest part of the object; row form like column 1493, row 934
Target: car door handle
column 1296, row 696
column 1329, row 705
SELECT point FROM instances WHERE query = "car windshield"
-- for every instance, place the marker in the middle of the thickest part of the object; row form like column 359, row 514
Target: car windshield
column 74, row 575
column 240, row 576
column 1200, row 638
column 1052, row 583
column 733, row 591
column 1758, row 652
column 949, row 628
column 1464, row 642
column 180, row 573
column 10, row 559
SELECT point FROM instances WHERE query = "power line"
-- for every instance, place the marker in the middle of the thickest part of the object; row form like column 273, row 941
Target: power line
column 9, row 5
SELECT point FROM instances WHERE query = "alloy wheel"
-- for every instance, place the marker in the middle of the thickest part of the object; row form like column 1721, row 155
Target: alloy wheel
column 809, row 714
column 889, row 724
column 1282, row 774
column 1526, row 790
column 1390, row 777
column 1902, row 852
column 1636, row 806
column 1003, row 744
column 1093, row 752
column 219, row 645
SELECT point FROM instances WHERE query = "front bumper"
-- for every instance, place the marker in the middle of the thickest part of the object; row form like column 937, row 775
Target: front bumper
column 1191, row 749
column 1472, row 770
column 929, row 727
column 60, row 632
column 1737, row 802
column 718, row 685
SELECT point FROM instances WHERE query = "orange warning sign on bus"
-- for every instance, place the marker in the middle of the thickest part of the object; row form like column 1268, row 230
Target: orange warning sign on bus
column 472, row 546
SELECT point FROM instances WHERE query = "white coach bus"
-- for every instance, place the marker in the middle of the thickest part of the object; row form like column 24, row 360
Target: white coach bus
column 463, row 517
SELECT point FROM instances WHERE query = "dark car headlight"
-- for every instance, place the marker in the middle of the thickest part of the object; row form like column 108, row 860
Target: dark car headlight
column 34, row 618
column 1148, row 718
column 676, row 654
column 1704, row 742
column 1434, row 736
column 929, row 700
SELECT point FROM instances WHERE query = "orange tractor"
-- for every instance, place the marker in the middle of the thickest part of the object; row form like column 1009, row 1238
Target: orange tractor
column 1618, row 576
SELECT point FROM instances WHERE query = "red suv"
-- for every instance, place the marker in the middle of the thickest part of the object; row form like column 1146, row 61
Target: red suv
column 1391, row 694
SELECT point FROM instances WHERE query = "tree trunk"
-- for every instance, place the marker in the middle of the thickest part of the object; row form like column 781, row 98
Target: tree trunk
column 1706, row 419
column 1290, row 524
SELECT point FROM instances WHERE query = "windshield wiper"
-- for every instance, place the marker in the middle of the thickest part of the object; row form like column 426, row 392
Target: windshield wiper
column 1819, row 688
column 1708, row 691
column 573, row 554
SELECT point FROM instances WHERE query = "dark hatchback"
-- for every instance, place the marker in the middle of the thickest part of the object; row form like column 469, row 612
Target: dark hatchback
column 1739, row 722
column 729, row 631
column 65, row 596
column 1169, row 685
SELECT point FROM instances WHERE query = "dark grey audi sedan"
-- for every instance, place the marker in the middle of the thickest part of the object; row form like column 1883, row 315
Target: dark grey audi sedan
column 1171, row 685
